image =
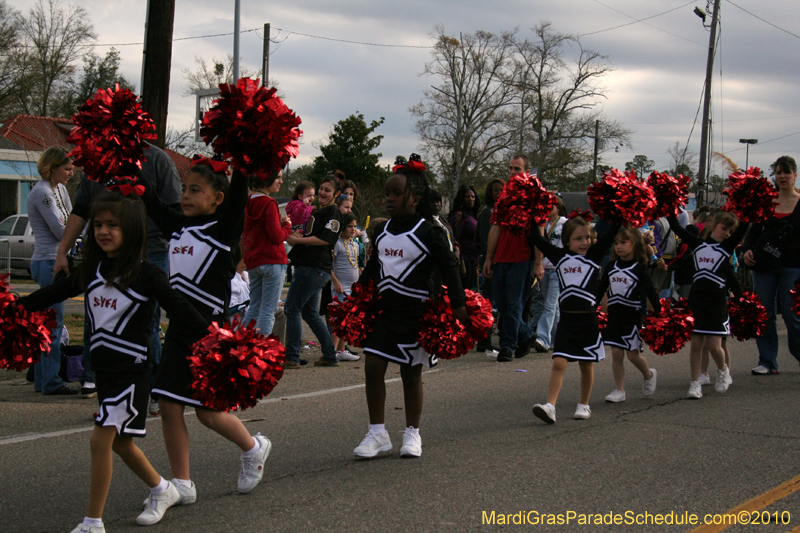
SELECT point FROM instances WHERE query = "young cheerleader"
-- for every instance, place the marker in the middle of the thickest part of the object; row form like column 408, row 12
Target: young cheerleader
column 577, row 336
column 625, row 277
column 121, row 290
column 300, row 208
column 407, row 249
column 708, row 296
column 201, row 265
column 344, row 273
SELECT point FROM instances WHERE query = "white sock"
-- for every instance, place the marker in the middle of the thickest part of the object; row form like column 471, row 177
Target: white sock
column 413, row 430
column 96, row 522
column 377, row 429
column 551, row 405
column 161, row 487
column 182, row 482
column 254, row 449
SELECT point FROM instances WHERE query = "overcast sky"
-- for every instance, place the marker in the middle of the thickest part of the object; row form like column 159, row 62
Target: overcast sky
column 654, row 90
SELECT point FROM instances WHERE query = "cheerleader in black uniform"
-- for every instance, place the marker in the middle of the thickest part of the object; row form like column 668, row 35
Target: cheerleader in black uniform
column 406, row 250
column 624, row 278
column 708, row 297
column 201, row 266
column 121, row 291
column 577, row 336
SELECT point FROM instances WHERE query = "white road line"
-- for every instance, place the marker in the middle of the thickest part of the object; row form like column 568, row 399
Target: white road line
column 26, row 437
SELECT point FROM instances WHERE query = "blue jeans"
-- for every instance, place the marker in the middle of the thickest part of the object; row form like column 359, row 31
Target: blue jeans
column 45, row 372
column 773, row 288
column 303, row 302
column 510, row 283
column 546, row 329
column 266, row 283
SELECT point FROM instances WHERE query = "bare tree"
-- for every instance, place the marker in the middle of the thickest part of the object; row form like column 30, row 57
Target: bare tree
column 182, row 141
column 463, row 120
column 55, row 37
column 684, row 160
column 10, row 49
column 559, row 102
column 210, row 75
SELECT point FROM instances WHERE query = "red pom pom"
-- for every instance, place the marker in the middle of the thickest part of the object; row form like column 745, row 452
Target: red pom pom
column 352, row 319
column 481, row 319
column 750, row 197
column 234, row 367
column 23, row 334
column 602, row 319
column 670, row 194
column 252, row 127
column 523, row 201
column 110, row 132
column 748, row 316
column 668, row 331
column 796, row 297
column 622, row 198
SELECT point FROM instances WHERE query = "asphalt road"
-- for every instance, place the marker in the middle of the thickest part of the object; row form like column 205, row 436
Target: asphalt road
column 483, row 452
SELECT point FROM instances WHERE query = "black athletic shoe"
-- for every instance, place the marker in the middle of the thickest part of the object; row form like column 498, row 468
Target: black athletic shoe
column 505, row 356
column 63, row 390
column 523, row 349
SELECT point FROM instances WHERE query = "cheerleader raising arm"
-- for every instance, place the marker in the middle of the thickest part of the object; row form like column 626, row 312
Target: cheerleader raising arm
column 720, row 232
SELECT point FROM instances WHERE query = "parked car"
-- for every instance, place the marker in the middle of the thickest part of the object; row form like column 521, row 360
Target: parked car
column 16, row 230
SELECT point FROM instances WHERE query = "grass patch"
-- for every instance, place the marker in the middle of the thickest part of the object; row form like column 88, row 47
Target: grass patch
column 74, row 324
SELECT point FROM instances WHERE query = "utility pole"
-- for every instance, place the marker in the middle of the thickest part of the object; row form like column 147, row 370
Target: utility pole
column 596, row 142
column 701, row 174
column 236, row 11
column 157, row 60
column 265, row 64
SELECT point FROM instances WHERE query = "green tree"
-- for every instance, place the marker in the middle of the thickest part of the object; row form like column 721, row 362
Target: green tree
column 349, row 148
column 98, row 73
column 641, row 165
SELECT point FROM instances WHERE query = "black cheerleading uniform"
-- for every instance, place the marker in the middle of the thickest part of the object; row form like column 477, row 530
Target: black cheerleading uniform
column 201, row 267
column 119, row 321
column 624, row 281
column 577, row 337
column 708, row 297
column 404, row 255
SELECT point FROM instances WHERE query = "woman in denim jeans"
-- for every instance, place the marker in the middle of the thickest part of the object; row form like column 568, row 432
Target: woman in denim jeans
column 48, row 209
column 548, row 321
column 773, row 286
column 264, row 252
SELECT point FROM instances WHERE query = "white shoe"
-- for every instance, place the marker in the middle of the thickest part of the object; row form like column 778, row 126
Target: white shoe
column 188, row 494
column 491, row 353
column 154, row 407
column 83, row 528
column 722, row 380
column 373, row 444
column 730, row 377
column 345, row 355
column 412, row 444
column 546, row 412
column 649, row 386
column 704, row 379
column 157, row 504
column 582, row 412
column 616, row 396
column 253, row 466
column 695, row 391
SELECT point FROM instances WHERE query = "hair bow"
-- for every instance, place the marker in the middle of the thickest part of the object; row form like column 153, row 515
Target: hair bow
column 414, row 163
column 127, row 185
column 216, row 164
column 585, row 215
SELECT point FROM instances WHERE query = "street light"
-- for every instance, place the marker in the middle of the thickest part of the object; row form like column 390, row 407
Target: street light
column 748, row 142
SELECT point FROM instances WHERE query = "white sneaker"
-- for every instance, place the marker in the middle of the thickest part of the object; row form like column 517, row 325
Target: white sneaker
column 345, row 355
column 582, row 412
column 83, row 528
column 704, row 379
column 412, row 444
column 188, row 494
column 730, row 377
column 649, row 386
column 253, row 466
column 616, row 396
column 491, row 353
column 695, row 391
column 761, row 370
column 154, row 407
column 546, row 412
column 157, row 504
column 373, row 444
column 722, row 380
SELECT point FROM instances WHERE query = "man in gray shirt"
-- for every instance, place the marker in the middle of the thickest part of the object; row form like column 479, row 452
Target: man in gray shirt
column 158, row 168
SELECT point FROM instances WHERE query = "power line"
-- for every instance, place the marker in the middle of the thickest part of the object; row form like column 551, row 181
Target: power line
column 637, row 21
column 650, row 25
column 352, row 42
column 764, row 21
column 177, row 39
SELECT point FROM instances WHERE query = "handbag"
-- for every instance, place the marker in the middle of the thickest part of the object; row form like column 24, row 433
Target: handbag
column 767, row 249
